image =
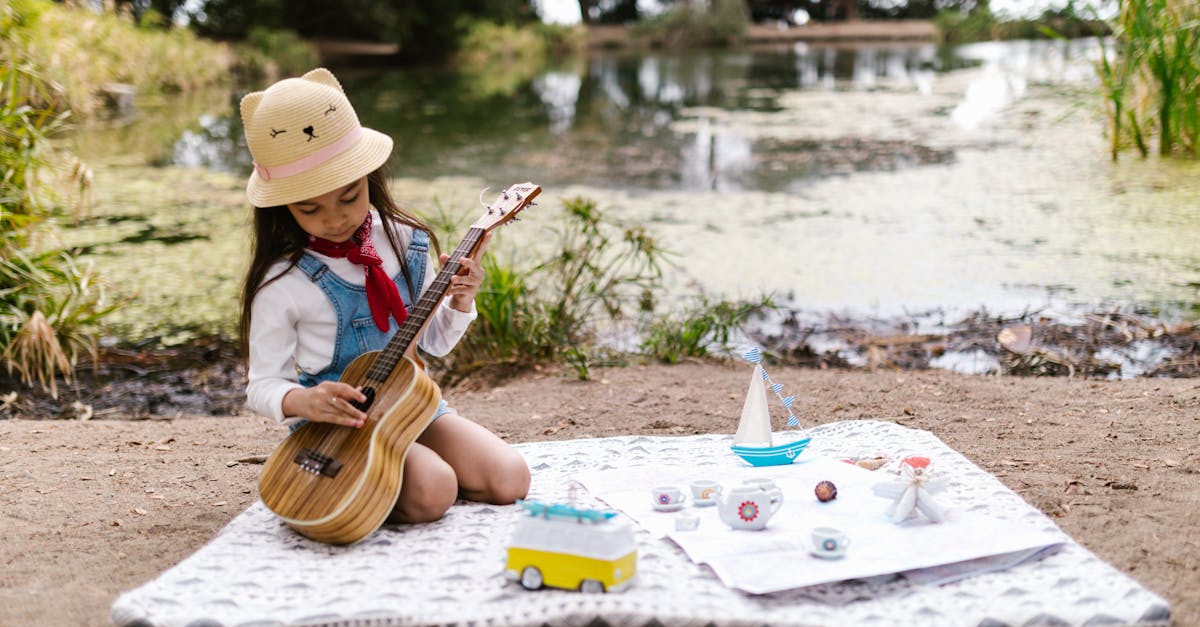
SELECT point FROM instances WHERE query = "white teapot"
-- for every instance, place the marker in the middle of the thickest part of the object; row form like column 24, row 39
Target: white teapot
column 749, row 506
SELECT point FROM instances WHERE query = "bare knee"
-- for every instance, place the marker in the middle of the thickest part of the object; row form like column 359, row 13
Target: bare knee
column 509, row 479
column 428, row 491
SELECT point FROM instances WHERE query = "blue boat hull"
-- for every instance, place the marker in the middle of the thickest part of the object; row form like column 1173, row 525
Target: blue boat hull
column 778, row 455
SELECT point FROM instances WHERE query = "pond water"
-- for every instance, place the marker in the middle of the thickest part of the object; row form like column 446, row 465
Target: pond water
column 869, row 179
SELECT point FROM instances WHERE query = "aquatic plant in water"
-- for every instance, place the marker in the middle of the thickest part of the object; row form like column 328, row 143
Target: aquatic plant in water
column 50, row 308
column 1151, row 77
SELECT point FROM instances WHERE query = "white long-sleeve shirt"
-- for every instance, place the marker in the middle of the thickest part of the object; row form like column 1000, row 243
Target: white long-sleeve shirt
column 293, row 325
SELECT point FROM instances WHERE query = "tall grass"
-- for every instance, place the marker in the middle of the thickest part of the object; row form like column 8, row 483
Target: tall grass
column 599, row 280
column 1151, row 77
column 597, row 273
column 50, row 308
column 698, row 330
column 82, row 51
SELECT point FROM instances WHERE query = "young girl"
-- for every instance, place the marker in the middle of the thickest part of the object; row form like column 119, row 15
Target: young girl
column 334, row 264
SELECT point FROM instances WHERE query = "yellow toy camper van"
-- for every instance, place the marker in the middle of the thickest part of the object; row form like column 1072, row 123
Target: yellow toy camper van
column 566, row 547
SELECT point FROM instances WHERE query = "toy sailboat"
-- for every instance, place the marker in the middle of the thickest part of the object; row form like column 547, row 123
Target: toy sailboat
column 754, row 441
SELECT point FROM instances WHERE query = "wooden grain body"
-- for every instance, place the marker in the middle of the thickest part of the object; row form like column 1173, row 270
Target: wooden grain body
column 347, row 508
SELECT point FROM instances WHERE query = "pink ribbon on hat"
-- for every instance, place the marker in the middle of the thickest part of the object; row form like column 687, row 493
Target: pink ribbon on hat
column 311, row 161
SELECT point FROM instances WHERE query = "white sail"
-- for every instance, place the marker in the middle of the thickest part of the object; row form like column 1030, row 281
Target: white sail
column 754, row 429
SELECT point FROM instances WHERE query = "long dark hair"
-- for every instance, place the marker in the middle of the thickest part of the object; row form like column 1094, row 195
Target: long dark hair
column 277, row 236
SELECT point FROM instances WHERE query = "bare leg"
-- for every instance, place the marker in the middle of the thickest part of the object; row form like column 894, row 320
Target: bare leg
column 429, row 489
column 488, row 469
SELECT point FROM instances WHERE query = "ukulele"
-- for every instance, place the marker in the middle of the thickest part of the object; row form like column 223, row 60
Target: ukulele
column 337, row 484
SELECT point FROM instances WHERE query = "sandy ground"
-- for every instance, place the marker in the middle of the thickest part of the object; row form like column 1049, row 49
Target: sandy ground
column 91, row 508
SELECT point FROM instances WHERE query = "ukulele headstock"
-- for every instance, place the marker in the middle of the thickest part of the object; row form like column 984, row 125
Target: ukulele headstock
column 507, row 205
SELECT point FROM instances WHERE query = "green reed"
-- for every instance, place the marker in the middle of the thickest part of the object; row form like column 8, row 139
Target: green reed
column 50, row 307
column 598, row 279
column 1151, row 77
column 699, row 329
column 596, row 272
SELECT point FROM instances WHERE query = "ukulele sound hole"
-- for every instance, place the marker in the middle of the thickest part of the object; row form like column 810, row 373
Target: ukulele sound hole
column 368, row 392
column 316, row 463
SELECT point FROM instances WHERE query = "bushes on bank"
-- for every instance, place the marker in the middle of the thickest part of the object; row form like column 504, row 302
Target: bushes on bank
column 721, row 22
column 83, row 52
column 955, row 26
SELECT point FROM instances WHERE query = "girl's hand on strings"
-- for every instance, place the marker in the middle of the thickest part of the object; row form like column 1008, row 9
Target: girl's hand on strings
column 465, row 284
column 327, row 401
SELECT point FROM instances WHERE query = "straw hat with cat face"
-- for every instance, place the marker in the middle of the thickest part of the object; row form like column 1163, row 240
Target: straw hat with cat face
column 306, row 140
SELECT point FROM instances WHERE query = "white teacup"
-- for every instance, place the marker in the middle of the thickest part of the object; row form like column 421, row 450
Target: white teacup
column 687, row 522
column 667, row 497
column 829, row 542
column 761, row 482
column 705, row 492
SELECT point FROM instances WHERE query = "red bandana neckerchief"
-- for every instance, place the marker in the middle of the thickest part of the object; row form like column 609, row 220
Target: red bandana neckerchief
column 382, row 295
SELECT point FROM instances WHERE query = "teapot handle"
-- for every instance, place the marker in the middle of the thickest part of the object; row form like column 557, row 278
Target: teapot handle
column 776, row 496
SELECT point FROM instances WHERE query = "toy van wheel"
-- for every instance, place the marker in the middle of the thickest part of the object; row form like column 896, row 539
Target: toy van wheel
column 531, row 578
column 591, row 586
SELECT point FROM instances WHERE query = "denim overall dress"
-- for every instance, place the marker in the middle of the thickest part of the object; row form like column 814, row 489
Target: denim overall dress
column 356, row 329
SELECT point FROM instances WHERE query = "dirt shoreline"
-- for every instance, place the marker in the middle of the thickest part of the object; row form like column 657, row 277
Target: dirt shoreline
column 93, row 508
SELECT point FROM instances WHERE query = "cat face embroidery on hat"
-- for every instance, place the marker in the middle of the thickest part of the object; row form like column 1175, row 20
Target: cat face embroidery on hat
column 306, row 126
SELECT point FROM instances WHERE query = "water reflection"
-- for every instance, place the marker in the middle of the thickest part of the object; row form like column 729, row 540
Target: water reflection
column 214, row 144
column 610, row 122
column 870, row 178
column 657, row 120
column 1009, row 68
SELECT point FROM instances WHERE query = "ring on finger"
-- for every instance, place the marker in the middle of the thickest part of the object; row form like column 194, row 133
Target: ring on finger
column 333, row 400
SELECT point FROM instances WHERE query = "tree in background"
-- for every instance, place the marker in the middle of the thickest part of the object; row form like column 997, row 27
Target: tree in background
column 622, row 11
column 424, row 31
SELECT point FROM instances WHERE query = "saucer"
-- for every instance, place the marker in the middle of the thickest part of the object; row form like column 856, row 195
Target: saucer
column 669, row 507
column 828, row 555
column 704, row 502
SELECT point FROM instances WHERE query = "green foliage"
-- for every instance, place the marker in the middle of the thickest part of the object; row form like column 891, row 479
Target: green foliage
column 50, row 309
column 980, row 24
column 24, row 128
column 486, row 43
column 719, row 22
column 271, row 54
column 675, row 337
column 955, row 26
column 500, row 59
column 425, row 31
column 599, row 279
column 1151, row 77
column 80, row 51
column 598, row 273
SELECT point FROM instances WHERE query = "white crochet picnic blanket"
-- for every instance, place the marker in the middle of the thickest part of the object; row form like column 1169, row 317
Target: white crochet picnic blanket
column 258, row 572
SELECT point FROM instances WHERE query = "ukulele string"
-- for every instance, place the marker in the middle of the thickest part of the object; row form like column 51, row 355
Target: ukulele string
column 332, row 440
